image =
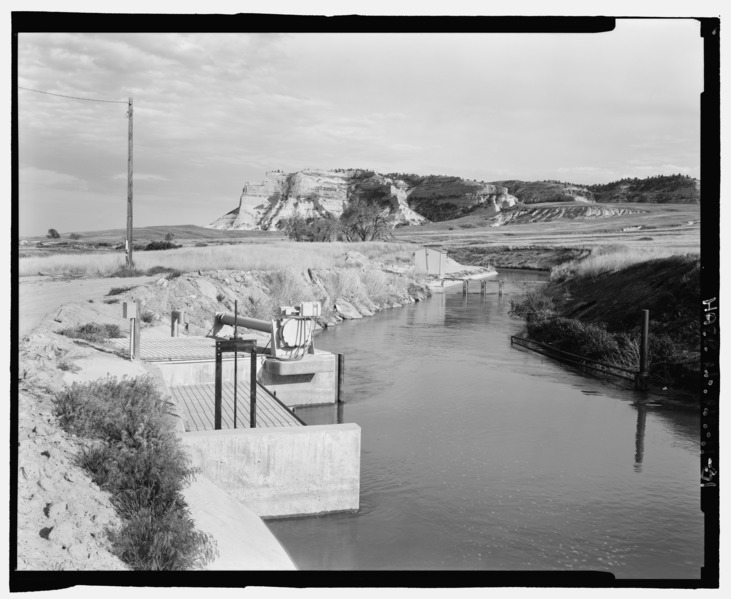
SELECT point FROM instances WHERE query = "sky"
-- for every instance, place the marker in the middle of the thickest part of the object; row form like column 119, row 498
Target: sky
column 212, row 111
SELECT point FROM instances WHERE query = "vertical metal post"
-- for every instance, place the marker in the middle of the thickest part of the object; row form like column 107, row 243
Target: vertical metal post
column 483, row 287
column 252, row 387
column 644, row 374
column 137, row 329
column 174, row 322
column 236, row 360
column 500, row 288
column 130, row 263
column 219, row 380
column 131, row 338
column 341, row 376
column 465, row 284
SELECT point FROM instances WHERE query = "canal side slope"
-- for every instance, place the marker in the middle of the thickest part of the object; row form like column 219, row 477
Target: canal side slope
column 594, row 308
column 62, row 515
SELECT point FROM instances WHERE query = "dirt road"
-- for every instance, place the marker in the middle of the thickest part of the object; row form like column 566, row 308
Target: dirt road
column 40, row 296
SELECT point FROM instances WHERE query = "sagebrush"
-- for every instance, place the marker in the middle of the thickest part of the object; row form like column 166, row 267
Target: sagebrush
column 141, row 462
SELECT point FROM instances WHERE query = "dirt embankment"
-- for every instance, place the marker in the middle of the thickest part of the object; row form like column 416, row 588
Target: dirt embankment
column 529, row 258
column 668, row 287
column 62, row 514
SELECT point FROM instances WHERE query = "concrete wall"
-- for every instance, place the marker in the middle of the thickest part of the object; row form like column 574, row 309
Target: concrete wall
column 204, row 371
column 308, row 389
column 292, row 389
column 283, row 471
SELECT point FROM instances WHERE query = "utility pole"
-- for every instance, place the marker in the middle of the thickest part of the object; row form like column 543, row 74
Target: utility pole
column 130, row 263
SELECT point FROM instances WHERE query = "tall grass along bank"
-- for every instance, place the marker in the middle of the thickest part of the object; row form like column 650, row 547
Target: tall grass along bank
column 596, row 311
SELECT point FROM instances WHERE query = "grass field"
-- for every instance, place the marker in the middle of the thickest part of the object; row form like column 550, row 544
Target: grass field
column 665, row 230
column 253, row 255
column 662, row 225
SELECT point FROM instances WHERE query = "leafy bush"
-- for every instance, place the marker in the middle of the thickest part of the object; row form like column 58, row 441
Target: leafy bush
column 127, row 272
column 161, row 245
column 67, row 365
column 75, row 236
column 53, row 234
column 141, row 462
column 571, row 335
column 534, row 305
column 98, row 333
column 147, row 317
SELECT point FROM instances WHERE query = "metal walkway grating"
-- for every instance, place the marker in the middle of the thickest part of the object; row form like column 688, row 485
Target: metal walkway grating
column 168, row 349
column 197, row 405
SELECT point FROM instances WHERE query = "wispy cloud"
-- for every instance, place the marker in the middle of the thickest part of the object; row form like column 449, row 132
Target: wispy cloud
column 214, row 110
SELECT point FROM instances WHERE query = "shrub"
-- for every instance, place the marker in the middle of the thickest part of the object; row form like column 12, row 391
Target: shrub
column 67, row 365
column 98, row 333
column 147, row 317
column 161, row 245
column 75, row 236
column 535, row 305
column 220, row 297
column 170, row 273
column 571, row 335
column 112, row 300
column 118, row 290
column 140, row 461
column 127, row 272
column 53, row 234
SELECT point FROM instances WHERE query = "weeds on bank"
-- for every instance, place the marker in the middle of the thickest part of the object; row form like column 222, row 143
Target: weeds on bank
column 592, row 340
column 608, row 258
column 140, row 461
column 91, row 331
column 118, row 290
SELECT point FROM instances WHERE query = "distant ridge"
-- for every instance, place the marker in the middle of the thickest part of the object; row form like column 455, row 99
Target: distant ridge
column 410, row 199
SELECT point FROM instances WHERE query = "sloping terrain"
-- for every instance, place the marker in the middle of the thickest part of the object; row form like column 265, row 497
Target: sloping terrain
column 545, row 213
column 673, row 189
column 535, row 192
column 668, row 287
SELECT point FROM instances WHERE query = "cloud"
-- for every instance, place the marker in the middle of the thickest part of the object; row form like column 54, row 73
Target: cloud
column 214, row 110
column 42, row 178
column 141, row 177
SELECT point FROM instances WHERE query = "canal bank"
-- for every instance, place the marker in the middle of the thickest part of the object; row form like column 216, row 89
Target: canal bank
column 482, row 457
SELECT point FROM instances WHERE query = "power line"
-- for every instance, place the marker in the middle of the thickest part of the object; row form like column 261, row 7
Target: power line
column 72, row 97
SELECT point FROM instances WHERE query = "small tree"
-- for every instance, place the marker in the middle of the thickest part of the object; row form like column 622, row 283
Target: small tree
column 53, row 234
column 326, row 228
column 169, row 237
column 364, row 221
column 75, row 236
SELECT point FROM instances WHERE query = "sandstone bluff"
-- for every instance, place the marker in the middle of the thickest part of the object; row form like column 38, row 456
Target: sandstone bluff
column 410, row 200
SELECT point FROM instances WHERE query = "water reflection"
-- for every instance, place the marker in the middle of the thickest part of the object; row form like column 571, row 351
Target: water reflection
column 481, row 456
column 640, row 436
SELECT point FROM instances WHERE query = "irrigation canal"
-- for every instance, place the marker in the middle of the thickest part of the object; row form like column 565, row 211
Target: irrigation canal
column 479, row 456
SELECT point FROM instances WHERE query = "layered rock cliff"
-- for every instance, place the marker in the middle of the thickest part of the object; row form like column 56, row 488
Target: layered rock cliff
column 409, row 199
column 266, row 204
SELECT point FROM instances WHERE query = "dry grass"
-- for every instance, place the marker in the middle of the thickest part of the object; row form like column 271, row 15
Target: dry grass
column 612, row 258
column 245, row 256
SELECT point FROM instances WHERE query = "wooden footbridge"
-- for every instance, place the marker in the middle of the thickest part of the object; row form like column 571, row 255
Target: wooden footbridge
column 196, row 399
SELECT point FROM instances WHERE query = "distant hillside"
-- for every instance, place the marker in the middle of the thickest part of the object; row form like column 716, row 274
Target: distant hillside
column 538, row 192
column 313, row 193
column 661, row 189
column 411, row 199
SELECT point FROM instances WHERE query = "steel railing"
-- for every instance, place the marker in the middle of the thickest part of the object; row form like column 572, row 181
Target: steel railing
column 568, row 357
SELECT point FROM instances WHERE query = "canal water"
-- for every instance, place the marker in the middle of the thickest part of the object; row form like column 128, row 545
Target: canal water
column 481, row 456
